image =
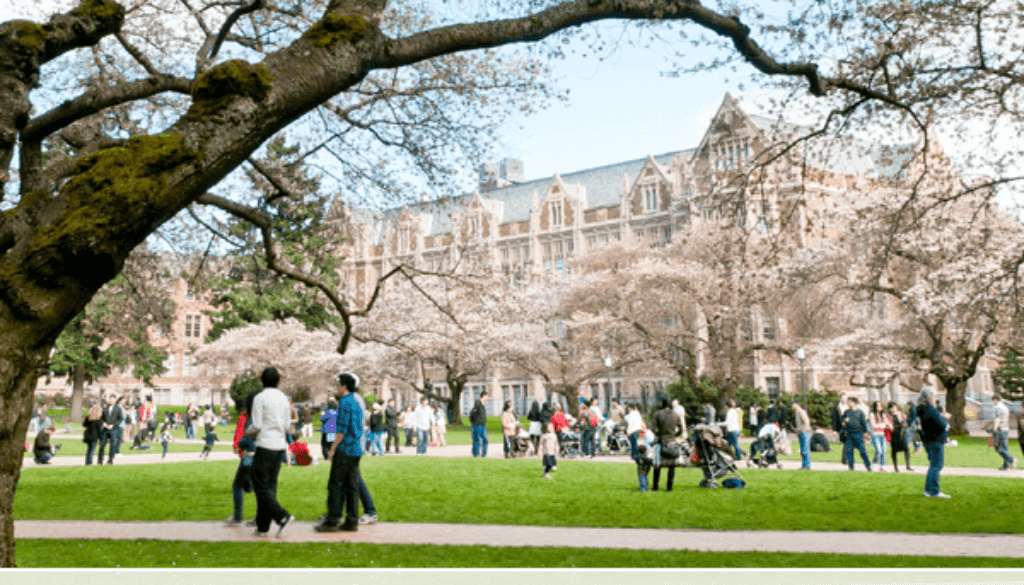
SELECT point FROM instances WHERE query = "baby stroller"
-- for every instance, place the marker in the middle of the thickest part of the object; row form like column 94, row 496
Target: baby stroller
column 568, row 444
column 714, row 455
column 521, row 445
column 618, row 442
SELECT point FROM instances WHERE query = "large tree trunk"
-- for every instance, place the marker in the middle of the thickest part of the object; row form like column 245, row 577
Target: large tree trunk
column 19, row 368
column 456, row 388
column 77, row 393
column 956, row 401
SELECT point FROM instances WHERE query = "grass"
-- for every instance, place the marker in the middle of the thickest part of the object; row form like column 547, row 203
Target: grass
column 970, row 452
column 161, row 554
column 475, row 491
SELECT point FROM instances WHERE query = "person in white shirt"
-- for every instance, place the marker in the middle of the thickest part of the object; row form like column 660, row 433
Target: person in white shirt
column 634, row 426
column 732, row 427
column 270, row 416
column 681, row 411
column 424, row 417
column 1001, row 432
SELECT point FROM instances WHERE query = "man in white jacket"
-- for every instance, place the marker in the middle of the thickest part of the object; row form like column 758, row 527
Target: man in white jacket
column 1001, row 432
column 270, row 416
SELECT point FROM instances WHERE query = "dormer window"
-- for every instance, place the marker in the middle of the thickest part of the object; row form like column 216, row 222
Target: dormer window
column 474, row 227
column 731, row 154
column 650, row 198
column 556, row 214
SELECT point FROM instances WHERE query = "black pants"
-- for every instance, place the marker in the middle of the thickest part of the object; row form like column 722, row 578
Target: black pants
column 392, row 436
column 408, row 437
column 587, row 441
column 343, row 490
column 265, row 467
column 668, row 483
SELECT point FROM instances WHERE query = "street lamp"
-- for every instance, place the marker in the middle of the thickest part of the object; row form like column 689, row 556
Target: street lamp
column 608, row 383
column 803, row 373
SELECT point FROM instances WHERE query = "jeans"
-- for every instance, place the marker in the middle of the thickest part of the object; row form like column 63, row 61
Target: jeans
column 114, row 438
column 392, row 436
column 44, row 457
column 734, row 440
column 190, row 431
column 1001, row 442
column 242, row 484
column 479, row 441
column 587, row 442
column 89, row 450
column 343, row 490
column 878, row 441
column 164, row 443
column 422, row 440
column 377, row 444
column 805, row 450
column 408, row 437
column 266, row 466
column 632, row 445
column 364, row 496
column 936, row 460
column 855, row 441
column 643, row 480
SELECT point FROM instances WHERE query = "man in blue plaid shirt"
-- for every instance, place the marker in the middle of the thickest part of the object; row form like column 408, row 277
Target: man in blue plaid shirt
column 345, row 452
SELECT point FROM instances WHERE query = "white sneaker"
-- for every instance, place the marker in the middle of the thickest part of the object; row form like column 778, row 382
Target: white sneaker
column 942, row 496
column 1013, row 464
column 368, row 519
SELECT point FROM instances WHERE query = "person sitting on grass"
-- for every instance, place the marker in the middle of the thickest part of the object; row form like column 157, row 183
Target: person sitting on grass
column 165, row 437
column 300, row 454
column 210, row 439
column 549, row 450
column 643, row 466
column 137, row 443
column 42, row 448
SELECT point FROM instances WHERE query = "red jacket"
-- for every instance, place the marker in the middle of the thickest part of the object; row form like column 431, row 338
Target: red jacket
column 240, row 431
column 559, row 421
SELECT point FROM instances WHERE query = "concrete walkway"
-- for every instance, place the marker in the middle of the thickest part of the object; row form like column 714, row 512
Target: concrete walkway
column 866, row 543
column 149, row 458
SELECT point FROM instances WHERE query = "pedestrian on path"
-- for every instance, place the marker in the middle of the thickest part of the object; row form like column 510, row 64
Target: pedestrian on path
column 165, row 438
column 881, row 425
column 245, row 448
column 1001, row 431
column 508, row 429
column 899, row 434
column 855, row 426
column 478, row 423
column 634, row 426
column 424, row 418
column 270, row 416
column 536, row 426
column 733, row 426
column 409, row 424
column 113, row 414
column 377, row 429
column 391, row 421
column 549, row 450
column 440, row 424
column 344, row 454
column 803, row 430
column 329, row 420
column 93, row 427
column 933, row 434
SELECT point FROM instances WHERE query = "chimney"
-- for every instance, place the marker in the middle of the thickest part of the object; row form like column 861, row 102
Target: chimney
column 513, row 171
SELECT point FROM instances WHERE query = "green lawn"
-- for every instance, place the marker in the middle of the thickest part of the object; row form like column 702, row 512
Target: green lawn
column 159, row 554
column 409, row 489
column 969, row 452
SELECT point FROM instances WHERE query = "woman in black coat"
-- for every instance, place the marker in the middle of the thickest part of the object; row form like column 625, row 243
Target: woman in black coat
column 898, row 438
column 92, row 424
column 536, row 425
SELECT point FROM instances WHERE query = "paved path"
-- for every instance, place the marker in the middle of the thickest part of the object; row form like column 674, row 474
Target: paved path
column 867, row 543
column 466, row 451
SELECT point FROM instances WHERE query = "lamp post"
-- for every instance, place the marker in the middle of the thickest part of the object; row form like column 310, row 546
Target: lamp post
column 803, row 373
column 608, row 383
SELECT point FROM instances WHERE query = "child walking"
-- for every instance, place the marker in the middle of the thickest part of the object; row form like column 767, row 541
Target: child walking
column 165, row 437
column 643, row 466
column 210, row 439
column 549, row 448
